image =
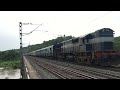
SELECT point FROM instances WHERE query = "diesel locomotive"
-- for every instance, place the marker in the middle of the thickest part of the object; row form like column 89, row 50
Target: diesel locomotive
column 95, row 48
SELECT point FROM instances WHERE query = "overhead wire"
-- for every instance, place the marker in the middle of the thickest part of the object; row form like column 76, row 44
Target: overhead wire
column 100, row 17
column 34, row 29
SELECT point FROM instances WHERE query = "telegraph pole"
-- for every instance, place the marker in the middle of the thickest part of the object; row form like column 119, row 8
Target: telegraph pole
column 21, row 53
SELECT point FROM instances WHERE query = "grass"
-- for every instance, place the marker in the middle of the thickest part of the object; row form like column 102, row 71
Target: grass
column 14, row 64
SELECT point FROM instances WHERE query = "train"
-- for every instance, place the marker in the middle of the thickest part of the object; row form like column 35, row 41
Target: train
column 96, row 48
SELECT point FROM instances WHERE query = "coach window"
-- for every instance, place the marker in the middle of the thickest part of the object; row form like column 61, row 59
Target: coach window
column 83, row 40
column 87, row 40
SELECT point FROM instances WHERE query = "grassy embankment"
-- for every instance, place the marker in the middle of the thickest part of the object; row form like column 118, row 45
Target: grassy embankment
column 14, row 64
column 10, row 59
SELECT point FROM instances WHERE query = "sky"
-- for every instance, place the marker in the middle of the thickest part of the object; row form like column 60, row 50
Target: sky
column 52, row 24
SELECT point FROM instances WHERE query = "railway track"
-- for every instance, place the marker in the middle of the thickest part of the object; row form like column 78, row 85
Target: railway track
column 70, row 73
column 110, row 73
column 117, row 69
column 47, row 68
column 62, row 71
column 96, row 73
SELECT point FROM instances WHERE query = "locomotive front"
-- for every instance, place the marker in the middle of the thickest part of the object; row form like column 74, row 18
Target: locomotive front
column 103, row 46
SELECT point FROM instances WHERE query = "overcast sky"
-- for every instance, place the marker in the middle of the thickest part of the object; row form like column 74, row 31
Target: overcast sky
column 75, row 23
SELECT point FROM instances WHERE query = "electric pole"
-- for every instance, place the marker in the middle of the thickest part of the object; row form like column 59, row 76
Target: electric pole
column 21, row 53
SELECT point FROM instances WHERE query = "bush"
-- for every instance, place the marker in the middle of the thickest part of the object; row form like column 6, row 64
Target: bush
column 15, row 64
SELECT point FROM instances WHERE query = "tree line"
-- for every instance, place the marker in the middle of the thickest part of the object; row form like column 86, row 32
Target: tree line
column 10, row 55
column 117, row 43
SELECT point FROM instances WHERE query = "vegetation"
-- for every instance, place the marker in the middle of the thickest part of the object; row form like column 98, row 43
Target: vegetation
column 14, row 64
column 9, row 55
column 117, row 43
column 10, row 59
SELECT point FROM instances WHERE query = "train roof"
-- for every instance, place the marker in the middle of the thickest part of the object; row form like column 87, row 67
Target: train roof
column 41, row 49
column 47, row 47
column 87, row 35
column 66, row 40
column 104, row 29
column 95, row 31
